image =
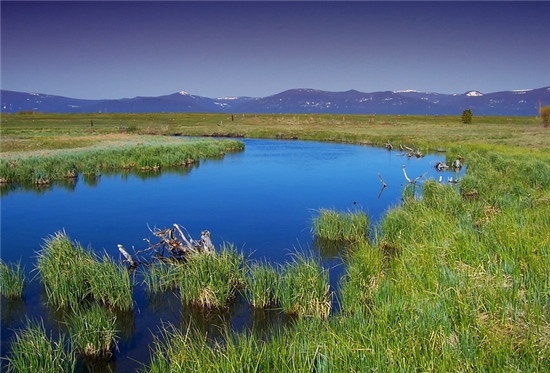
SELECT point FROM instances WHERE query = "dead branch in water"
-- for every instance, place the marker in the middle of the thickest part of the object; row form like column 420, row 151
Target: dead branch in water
column 172, row 245
column 415, row 179
column 382, row 180
column 409, row 152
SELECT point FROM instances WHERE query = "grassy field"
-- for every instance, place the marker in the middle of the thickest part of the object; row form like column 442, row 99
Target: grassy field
column 39, row 132
column 450, row 282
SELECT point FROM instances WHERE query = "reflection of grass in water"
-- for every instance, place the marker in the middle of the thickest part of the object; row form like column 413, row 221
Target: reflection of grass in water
column 12, row 280
column 32, row 350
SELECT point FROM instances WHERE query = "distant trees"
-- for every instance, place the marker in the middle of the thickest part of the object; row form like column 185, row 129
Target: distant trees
column 467, row 116
column 544, row 113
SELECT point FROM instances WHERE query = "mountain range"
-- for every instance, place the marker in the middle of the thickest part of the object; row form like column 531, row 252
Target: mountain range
column 507, row 103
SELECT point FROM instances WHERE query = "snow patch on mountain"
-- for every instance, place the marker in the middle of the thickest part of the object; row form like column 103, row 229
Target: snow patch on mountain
column 474, row 94
column 407, row 91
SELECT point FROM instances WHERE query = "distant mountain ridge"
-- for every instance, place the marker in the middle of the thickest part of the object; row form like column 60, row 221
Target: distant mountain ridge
column 298, row 101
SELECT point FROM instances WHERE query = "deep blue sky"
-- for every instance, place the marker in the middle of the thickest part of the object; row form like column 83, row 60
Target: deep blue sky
column 128, row 49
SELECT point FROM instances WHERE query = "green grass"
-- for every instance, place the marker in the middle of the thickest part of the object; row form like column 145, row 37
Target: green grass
column 32, row 350
column 161, row 277
column 92, row 330
column 262, row 280
column 351, row 226
column 303, row 289
column 143, row 156
column 72, row 276
column 12, row 280
column 456, row 280
column 212, row 280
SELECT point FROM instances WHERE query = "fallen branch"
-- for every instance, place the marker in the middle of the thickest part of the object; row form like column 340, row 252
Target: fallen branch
column 440, row 166
column 382, row 180
column 170, row 247
column 415, row 179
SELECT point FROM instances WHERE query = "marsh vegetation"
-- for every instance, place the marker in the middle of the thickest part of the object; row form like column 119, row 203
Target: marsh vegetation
column 454, row 280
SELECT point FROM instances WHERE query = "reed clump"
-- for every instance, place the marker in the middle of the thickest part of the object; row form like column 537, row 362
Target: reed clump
column 303, row 288
column 211, row 280
column 72, row 275
column 331, row 225
column 152, row 156
column 363, row 275
column 32, row 350
column 262, row 281
column 12, row 281
column 93, row 332
column 161, row 276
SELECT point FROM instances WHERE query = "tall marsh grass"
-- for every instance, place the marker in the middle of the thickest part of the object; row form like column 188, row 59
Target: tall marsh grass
column 72, row 275
column 12, row 280
column 262, row 282
column 93, row 332
column 150, row 156
column 212, row 280
column 348, row 226
column 303, row 288
column 32, row 350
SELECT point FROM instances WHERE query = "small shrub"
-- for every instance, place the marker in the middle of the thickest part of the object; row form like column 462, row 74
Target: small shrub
column 544, row 113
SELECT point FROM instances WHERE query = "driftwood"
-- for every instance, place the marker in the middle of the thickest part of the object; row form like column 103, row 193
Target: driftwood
column 173, row 245
column 413, row 181
column 441, row 166
column 382, row 180
column 410, row 152
column 457, row 163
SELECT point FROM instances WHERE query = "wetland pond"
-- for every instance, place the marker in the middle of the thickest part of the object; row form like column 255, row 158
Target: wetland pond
column 261, row 200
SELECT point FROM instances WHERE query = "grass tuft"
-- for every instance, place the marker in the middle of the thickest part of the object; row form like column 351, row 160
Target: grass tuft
column 212, row 279
column 72, row 276
column 261, row 283
column 341, row 226
column 12, row 280
column 93, row 332
column 303, row 289
column 33, row 351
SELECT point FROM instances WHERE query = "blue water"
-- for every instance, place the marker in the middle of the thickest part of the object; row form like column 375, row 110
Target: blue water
column 261, row 200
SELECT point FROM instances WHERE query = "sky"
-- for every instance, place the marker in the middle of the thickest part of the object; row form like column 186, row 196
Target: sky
column 108, row 49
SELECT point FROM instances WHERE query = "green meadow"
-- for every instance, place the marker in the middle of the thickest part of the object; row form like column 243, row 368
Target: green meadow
column 457, row 280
